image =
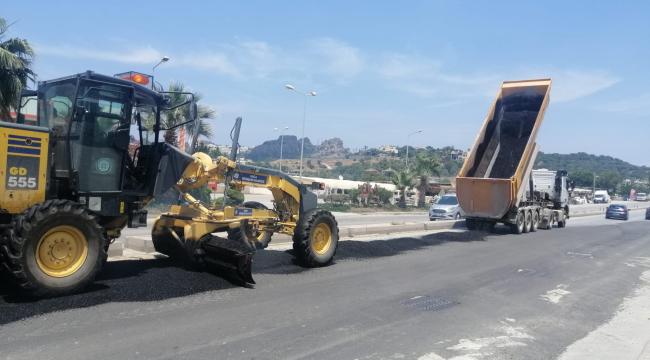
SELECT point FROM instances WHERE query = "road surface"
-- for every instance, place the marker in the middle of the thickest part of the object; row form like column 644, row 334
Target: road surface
column 417, row 296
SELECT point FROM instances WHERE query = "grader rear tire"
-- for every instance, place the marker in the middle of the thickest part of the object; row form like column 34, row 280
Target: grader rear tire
column 54, row 248
column 316, row 238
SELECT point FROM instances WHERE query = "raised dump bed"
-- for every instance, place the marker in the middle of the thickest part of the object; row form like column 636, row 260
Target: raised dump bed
column 492, row 180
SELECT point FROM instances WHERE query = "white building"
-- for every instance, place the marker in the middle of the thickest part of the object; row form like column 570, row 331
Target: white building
column 389, row 149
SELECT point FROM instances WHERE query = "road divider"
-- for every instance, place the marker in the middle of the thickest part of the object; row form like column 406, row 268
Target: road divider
column 144, row 244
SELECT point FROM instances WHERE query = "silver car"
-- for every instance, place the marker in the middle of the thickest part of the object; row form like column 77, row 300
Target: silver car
column 447, row 208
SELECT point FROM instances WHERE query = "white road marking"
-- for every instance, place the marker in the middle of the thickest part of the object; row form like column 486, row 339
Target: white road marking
column 639, row 261
column 554, row 296
column 477, row 348
column 431, row 356
column 587, row 255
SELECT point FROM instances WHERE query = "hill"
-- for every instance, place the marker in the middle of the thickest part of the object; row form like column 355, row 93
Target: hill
column 270, row 150
column 599, row 164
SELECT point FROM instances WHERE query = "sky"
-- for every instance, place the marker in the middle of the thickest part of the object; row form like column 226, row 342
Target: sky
column 381, row 70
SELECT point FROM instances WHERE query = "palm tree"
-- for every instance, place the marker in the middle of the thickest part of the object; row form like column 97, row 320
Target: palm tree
column 182, row 114
column 16, row 57
column 403, row 180
column 425, row 166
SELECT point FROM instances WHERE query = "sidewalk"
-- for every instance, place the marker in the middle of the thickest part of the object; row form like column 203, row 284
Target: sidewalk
column 625, row 336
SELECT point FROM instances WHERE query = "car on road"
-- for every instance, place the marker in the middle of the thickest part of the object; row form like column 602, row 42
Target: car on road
column 641, row 197
column 617, row 211
column 446, row 208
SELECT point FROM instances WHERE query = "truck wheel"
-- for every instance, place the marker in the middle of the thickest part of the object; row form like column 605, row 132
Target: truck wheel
column 261, row 239
column 54, row 248
column 518, row 226
column 561, row 222
column 528, row 221
column 316, row 238
column 470, row 224
column 535, row 221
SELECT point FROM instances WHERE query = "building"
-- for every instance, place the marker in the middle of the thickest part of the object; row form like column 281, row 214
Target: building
column 389, row 149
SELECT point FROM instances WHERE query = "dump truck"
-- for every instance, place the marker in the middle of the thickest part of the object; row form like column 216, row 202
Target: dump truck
column 497, row 183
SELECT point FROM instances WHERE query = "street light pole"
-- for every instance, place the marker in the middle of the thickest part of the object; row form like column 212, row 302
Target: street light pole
column 162, row 60
column 304, row 120
column 281, row 142
column 407, row 146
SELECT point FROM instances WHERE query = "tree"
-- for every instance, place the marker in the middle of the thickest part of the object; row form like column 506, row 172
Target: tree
column 425, row 166
column 16, row 57
column 384, row 195
column 582, row 178
column 354, row 196
column 403, row 180
column 182, row 114
column 608, row 180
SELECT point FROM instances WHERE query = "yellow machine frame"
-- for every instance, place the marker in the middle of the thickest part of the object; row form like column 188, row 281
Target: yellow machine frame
column 23, row 167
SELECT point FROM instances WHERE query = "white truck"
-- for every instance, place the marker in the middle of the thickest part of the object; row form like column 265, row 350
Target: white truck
column 601, row 197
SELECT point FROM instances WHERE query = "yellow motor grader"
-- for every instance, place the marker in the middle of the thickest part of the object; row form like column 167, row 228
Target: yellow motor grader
column 187, row 232
column 95, row 157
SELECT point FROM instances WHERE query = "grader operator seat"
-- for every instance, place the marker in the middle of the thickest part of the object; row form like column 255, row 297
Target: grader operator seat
column 85, row 172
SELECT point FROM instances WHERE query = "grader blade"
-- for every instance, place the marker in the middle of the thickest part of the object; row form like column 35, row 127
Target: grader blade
column 232, row 255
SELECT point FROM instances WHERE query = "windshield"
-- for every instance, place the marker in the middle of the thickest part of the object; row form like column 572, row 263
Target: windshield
column 143, row 120
column 448, row 200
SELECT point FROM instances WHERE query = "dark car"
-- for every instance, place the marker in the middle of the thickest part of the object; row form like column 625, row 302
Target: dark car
column 617, row 211
column 647, row 214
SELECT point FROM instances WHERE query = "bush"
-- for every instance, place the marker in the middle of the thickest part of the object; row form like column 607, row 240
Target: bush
column 202, row 194
column 334, row 207
column 385, row 196
column 235, row 197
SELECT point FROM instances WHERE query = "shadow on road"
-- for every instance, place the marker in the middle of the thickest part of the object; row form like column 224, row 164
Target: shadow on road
column 282, row 262
column 160, row 279
column 119, row 281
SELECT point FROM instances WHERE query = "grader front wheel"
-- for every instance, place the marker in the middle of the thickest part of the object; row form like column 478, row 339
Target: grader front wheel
column 316, row 238
column 54, row 248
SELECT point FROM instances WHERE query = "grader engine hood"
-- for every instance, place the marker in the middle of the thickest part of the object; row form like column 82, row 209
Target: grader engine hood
column 172, row 163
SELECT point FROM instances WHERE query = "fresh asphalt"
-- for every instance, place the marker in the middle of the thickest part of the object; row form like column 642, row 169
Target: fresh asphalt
column 427, row 296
